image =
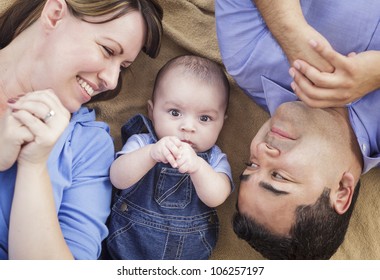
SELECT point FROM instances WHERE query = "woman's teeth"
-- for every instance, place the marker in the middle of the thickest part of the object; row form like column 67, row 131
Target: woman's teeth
column 85, row 86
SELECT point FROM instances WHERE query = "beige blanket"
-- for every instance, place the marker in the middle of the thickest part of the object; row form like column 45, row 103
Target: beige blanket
column 190, row 28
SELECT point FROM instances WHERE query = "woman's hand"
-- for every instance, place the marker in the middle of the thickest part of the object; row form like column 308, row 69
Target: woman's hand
column 42, row 113
column 13, row 135
column 354, row 76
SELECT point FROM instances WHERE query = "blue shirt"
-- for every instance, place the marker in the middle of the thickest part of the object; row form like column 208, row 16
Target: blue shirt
column 255, row 60
column 79, row 171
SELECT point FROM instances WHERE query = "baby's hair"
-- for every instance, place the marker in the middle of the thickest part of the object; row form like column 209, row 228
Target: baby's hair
column 202, row 68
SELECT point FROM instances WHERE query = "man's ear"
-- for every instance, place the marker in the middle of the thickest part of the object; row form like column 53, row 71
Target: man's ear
column 150, row 109
column 53, row 12
column 343, row 196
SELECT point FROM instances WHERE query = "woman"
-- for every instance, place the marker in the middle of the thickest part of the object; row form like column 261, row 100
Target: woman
column 56, row 55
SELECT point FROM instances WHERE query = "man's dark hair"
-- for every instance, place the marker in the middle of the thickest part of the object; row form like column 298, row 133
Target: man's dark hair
column 316, row 235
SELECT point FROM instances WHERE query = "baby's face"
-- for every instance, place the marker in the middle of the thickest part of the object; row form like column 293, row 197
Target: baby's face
column 190, row 109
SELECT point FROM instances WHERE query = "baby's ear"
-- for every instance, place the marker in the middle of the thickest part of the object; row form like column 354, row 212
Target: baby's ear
column 150, row 109
column 53, row 12
column 343, row 196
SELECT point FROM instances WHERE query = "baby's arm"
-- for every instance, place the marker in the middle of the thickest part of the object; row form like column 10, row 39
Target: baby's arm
column 212, row 187
column 128, row 168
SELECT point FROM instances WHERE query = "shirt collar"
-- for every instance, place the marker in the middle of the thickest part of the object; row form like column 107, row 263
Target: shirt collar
column 275, row 95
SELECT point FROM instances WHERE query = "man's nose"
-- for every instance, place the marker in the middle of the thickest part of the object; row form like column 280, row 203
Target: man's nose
column 267, row 149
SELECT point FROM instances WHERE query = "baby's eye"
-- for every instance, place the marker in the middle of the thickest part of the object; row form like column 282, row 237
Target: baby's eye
column 174, row 112
column 205, row 118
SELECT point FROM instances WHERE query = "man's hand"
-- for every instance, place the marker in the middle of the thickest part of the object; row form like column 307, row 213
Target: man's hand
column 354, row 76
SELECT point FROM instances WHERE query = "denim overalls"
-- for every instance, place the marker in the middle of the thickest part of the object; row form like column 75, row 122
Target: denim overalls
column 161, row 216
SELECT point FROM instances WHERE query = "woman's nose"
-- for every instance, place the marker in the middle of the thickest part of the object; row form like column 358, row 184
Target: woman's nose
column 110, row 76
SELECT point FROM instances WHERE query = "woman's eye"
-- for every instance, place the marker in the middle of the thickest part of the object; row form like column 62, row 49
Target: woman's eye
column 108, row 51
column 124, row 66
column 205, row 118
column 174, row 113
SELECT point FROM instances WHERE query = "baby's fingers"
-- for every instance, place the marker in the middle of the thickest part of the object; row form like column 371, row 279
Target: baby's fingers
column 171, row 160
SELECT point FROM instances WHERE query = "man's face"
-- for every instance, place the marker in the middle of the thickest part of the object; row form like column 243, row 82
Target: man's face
column 293, row 157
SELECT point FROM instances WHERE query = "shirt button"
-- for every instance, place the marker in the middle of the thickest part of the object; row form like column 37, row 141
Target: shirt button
column 364, row 147
column 123, row 207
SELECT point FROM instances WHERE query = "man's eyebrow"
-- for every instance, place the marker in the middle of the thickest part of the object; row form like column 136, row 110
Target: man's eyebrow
column 264, row 185
column 272, row 189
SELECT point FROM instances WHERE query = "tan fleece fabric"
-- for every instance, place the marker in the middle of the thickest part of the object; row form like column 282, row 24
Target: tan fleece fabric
column 190, row 28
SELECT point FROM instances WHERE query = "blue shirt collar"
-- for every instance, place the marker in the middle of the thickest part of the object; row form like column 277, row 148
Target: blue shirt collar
column 275, row 94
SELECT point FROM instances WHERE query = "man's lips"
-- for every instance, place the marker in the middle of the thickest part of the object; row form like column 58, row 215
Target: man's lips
column 280, row 133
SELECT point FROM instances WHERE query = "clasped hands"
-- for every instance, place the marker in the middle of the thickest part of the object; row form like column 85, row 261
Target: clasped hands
column 322, row 77
column 30, row 127
column 178, row 154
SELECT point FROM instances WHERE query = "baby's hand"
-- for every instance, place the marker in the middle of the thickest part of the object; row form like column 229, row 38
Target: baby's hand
column 188, row 162
column 167, row 150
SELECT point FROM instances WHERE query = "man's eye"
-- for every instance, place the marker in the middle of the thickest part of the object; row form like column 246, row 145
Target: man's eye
column 174, row 112
column 205, row 118
column 252, row 164
column 277, row 176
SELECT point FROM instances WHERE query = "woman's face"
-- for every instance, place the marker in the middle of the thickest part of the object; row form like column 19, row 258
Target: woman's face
column 79, row 60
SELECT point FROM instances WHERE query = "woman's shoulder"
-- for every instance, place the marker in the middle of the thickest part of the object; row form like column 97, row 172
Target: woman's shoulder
column 87, row 117
column 85, row 130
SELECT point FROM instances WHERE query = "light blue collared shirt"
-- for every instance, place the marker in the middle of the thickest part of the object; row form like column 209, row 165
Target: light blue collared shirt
column 255, row 60
column 79, row 171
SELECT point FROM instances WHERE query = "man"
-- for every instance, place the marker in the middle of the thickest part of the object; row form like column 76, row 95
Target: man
column 298, row 191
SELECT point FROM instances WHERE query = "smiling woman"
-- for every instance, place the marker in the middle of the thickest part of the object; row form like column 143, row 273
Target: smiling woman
column 56, row 55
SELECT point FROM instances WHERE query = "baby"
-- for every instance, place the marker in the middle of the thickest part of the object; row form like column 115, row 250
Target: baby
column 170, row 174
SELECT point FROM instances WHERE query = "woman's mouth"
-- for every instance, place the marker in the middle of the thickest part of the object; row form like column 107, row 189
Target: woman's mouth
column 88, row 89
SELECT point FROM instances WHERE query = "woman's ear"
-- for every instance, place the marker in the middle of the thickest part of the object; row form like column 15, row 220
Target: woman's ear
column 150, row 109
column 343, row 196
column 53, row 12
